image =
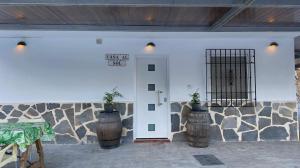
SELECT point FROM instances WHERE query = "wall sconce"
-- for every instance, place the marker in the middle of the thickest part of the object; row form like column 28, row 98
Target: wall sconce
column 272, row 48
column 274, row 44
column 150, row 47
column 21, row 45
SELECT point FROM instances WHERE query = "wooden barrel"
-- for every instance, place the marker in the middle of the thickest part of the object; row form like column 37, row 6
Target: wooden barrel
column 109, row 129
column 198, row 129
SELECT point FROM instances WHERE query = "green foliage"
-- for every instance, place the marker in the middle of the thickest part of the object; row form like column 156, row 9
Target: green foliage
column 195, row 97
column 110, row 96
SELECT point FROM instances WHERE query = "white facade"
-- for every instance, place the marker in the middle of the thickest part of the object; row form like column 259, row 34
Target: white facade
column 70, row 66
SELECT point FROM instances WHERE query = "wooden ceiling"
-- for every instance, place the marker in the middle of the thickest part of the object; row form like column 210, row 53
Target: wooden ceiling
column 151, row 15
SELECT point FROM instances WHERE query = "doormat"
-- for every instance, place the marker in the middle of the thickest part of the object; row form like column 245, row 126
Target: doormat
column 208, row 160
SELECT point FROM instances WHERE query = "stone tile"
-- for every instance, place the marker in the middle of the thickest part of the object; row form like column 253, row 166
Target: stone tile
column 250, row 136
column 65, row 139
column 81, row 131
column 32, row 112
column 70, row 116
column 218, row 118
column 245, row 127
column 92, row 126
column 41, row 107
column 7, row 108
column 77, row 107
column 275, row 106
column 266, row 111
column 66, row 106
column 130, row 109
column 128, row 123
column 293, row 131
column 258, row 107
column 268, row 104
column 86, row 116
column 295, row 116
column 16, row 113
column 13, row 120
column 229, row 111
column 274, row 133
column 23, row 107
column 247, row 110
column 63, row 128
column 277, row 120
column 51, row 106
column 59, row 114
column 97, row 105
column 291, row 105
column 285, row 112
column 86, row 105
column 176, row 107
column 48, row 116
column 230, row 135
column 217, row 108
column 263, row 122
column 229, row 122
column 121, row 107
column 186, row 110
column 250, row 119
column 2, row 116
column 215, row 133
column 175, row 122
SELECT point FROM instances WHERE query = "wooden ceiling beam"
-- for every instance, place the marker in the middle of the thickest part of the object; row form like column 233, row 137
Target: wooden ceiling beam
column 230, row 15
column 158, row 3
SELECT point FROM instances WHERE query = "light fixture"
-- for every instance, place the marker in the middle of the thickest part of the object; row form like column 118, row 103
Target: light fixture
column 274, row 44
column 21, row 44
column 150, row 44
column 150, row 47
column 272, row 48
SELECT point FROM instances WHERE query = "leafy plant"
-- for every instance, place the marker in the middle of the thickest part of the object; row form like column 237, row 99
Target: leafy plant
column 110, row 96
column 195, row 97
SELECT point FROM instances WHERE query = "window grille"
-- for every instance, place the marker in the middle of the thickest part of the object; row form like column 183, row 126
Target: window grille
column 230, row 77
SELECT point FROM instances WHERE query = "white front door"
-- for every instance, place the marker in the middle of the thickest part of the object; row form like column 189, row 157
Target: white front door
column 152, row 94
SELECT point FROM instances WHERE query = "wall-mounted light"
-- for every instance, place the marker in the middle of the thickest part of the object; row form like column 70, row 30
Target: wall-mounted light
column 272, row 48
column 274, row 44
column 150, row 44
column 20, row 46
column 150, row 47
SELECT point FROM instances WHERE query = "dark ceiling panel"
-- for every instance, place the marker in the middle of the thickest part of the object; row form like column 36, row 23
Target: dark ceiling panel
column 110, row 16
column 267, row 17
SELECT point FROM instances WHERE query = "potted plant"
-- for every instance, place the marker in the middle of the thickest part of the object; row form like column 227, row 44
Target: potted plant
column 195, row 102
column 109, row 127
column 109, row 99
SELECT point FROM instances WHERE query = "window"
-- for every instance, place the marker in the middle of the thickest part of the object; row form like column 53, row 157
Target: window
column 230, row 77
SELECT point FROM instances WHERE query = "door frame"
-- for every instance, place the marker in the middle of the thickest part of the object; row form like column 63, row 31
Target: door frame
column 168, row 123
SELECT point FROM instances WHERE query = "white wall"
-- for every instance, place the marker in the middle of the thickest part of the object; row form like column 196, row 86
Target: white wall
column 70, row 67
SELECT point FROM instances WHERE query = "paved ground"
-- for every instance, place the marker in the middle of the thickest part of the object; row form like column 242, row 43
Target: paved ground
column 174, row 155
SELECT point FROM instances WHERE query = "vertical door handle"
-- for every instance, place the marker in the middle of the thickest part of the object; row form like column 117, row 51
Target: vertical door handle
column 158, row 97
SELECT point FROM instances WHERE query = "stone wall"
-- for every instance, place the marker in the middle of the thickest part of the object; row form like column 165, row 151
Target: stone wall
column 265, row 121
column 72, row 122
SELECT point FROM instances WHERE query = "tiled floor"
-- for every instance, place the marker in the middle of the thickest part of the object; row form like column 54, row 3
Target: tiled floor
column 174, row 155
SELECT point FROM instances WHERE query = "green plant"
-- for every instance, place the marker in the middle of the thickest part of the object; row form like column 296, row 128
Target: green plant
column 195, row 97
column 110, row 96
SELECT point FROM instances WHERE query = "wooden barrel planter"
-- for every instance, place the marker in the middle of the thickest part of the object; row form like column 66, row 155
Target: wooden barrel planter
column 109, row 129
column 198, row 129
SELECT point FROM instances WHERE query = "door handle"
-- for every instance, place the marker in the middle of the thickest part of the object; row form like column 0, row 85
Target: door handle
column 158, row 97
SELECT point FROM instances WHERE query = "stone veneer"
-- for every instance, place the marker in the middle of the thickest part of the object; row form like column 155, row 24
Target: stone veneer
column 72, row 122
column 265, row 121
